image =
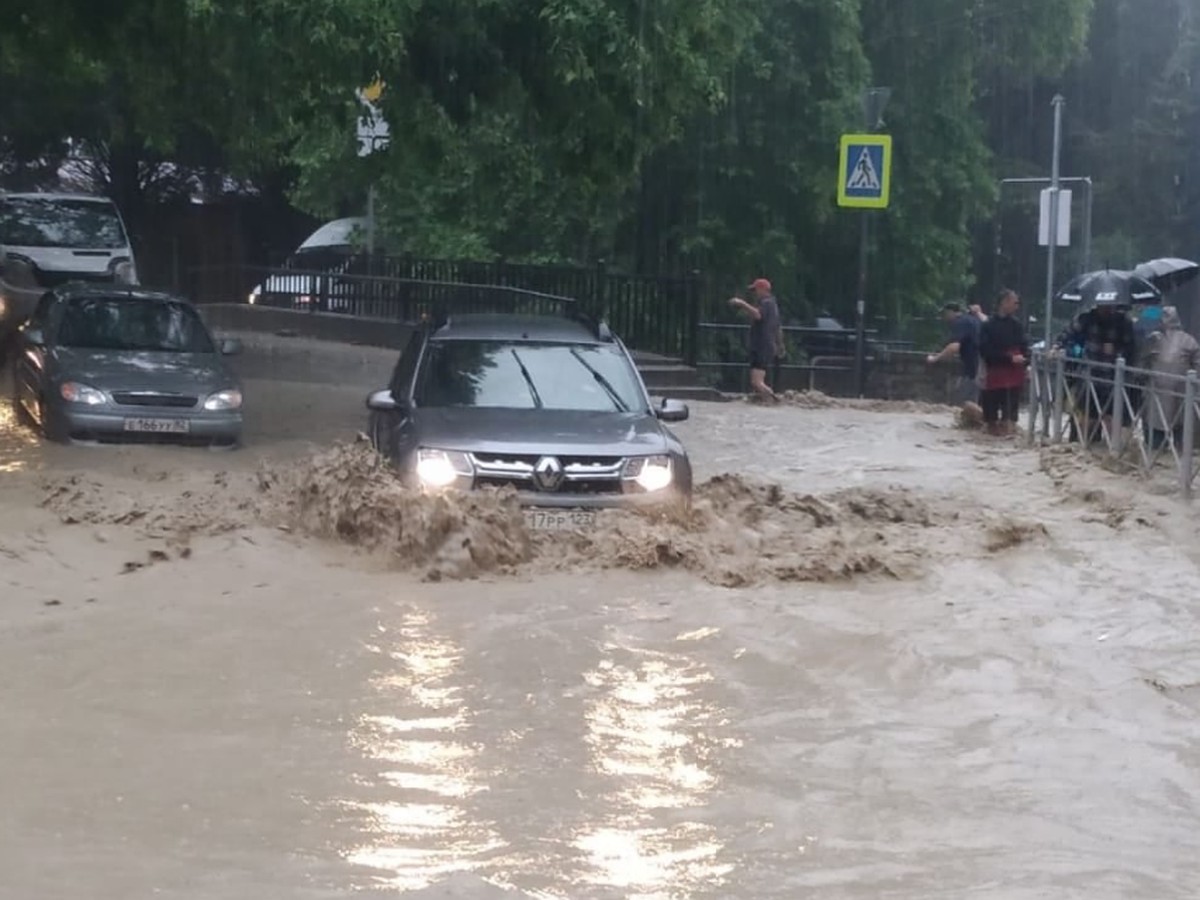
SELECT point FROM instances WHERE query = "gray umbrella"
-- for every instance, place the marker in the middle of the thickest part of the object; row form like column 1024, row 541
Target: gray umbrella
column 1168, row 273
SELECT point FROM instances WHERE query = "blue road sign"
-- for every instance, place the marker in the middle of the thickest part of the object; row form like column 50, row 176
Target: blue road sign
column 865, row 173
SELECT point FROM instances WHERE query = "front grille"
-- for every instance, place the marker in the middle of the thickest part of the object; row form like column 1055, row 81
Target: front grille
column 579, row 474
column 146, row 398
column 49, row 279
column 571, row 488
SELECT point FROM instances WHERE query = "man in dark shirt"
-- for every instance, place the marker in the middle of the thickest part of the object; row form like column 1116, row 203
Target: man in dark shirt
column 766, row 334
column 964, row 328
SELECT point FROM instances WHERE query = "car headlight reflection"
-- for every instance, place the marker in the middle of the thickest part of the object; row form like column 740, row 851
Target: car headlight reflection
column 224, row 400
column 440, row 469
column 74, row 392
column 650, row 473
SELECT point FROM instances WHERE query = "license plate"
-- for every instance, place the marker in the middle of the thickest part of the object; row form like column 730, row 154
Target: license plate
column 559, row 520
column 158, row 426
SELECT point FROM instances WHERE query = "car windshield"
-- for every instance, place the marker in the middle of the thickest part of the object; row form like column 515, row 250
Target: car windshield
column 526, row 375
column 133, row 324
column 74, row 224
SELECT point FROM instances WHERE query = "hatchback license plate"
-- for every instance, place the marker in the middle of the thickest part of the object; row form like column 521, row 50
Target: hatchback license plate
column 158, row 426
column 559, row 520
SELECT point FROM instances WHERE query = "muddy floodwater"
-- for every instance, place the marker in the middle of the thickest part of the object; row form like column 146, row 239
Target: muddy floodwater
column 882, row 658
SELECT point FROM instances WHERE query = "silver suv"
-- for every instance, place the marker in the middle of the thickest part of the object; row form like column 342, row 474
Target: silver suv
column 551, row 406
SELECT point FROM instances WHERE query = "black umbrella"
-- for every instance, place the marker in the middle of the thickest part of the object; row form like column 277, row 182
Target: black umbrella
column 1168, row 273
column 1109, row 287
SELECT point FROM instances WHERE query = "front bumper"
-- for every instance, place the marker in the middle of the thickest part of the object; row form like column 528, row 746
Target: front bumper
column 202, row 427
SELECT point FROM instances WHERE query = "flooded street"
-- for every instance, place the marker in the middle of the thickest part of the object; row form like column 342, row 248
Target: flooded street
column 991, row 688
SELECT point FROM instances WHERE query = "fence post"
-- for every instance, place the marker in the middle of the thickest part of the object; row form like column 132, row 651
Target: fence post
column 1036, row 399
column 1060, row 392
column 599, row 309
column 322, row 298
column 1187, row 453
column 1118, row 413
column 695, row 298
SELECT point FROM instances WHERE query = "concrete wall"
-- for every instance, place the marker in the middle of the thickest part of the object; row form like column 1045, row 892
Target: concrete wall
column 894, row 376
column 898, row 375
column 323, row 326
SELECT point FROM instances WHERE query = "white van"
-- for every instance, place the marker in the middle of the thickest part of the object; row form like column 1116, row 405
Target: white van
column 47, row 240
column 330, row 250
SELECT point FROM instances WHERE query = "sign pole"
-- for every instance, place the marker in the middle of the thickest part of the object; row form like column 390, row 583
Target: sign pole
column 864, row 182
column 860, row 307
column 1052, row 230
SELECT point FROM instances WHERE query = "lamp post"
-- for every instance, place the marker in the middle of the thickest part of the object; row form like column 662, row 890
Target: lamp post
column 1052, row 230
column 874, row 101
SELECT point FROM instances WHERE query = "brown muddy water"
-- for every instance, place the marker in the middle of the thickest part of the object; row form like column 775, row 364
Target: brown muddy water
column 881, row 658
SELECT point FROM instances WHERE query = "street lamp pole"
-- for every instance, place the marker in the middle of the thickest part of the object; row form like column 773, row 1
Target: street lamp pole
column 1052, row 229
column 874, row 101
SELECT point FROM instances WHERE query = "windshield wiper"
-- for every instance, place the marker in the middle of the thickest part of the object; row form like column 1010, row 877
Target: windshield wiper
column 537, row 399
column 602, row 381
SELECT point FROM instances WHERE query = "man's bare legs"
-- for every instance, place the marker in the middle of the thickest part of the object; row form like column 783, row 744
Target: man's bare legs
column 758, row 384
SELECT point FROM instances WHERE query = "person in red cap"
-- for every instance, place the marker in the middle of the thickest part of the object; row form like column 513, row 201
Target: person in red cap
column 766, row 334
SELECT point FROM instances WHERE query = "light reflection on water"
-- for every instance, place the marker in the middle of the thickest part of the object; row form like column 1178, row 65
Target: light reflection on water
column 423, row 833
column 651, row 732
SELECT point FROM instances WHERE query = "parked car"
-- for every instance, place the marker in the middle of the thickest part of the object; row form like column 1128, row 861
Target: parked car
column 47, row 240
column 553, row 407
column 96, row 363
column 326, row 253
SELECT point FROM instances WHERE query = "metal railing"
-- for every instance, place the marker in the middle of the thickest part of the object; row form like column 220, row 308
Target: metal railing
column 1142, row 420
column 654, row 314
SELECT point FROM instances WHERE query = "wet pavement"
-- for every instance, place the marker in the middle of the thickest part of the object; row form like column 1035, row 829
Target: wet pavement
column 276, row 717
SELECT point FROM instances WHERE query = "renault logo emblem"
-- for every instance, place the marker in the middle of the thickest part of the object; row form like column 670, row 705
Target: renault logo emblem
column 548, row 473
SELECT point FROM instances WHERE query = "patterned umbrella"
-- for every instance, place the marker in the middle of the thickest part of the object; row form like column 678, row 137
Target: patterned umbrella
column 1109, row 287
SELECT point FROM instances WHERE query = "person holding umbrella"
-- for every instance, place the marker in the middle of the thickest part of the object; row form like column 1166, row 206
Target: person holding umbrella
column 1004, row 347
column 1103, row 334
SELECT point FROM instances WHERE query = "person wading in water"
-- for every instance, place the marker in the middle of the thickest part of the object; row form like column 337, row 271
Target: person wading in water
column 1004, row 347
column 766, row 334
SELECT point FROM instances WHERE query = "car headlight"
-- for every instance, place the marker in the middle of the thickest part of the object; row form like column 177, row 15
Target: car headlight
column 441, row 468
column 3, row 307
column 222, row 400
column 650, row 473
column 74, row 392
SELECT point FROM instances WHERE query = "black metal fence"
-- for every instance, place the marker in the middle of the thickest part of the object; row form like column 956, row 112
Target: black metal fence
column 653, row 314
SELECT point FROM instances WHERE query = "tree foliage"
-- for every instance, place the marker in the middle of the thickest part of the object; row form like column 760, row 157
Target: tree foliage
column 658, row 135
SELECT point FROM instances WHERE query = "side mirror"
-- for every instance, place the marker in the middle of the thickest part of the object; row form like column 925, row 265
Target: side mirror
column 382, row 401
column 231, row 347
column 34, row 337
column 672, row 411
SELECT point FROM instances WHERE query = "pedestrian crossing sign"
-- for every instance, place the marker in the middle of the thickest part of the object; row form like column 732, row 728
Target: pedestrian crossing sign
column 865, row 173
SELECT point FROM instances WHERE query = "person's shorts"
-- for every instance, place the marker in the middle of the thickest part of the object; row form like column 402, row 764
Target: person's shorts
column 964, row 390
column 762, row 361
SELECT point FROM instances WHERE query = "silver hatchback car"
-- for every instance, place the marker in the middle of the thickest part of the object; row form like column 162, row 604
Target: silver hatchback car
column 98, row 363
